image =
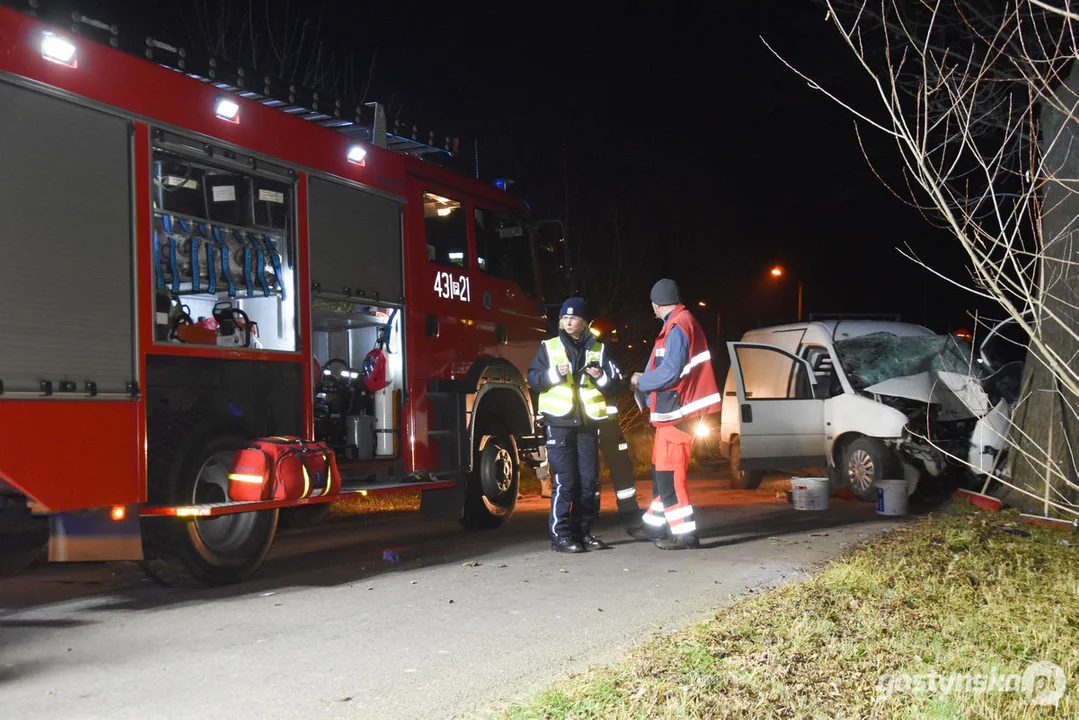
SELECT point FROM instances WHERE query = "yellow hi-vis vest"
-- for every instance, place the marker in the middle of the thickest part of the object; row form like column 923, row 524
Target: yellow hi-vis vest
column 558, row 401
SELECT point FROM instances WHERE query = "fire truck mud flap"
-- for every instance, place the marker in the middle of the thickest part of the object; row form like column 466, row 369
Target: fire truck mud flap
column 485, row 497
column 191, row 467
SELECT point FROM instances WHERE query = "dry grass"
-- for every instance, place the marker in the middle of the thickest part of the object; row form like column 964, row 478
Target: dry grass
column 960, row 592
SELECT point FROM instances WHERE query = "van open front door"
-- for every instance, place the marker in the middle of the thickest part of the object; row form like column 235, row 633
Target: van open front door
column 781, row 422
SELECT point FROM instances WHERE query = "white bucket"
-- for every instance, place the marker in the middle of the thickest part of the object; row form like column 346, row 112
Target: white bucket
column 891, row 497
column 809, row 493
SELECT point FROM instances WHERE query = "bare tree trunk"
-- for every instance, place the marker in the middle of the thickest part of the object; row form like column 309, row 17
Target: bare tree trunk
column 1045, row 402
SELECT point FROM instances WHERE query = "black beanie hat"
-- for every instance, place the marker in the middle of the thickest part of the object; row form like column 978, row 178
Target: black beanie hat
column 665, row 292
column 574, row 306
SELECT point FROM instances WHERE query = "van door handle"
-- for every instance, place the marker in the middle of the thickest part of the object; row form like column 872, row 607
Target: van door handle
column 747, row 413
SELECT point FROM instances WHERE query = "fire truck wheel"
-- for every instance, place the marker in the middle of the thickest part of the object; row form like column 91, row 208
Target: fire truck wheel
column 491, row 493
column 203, row 550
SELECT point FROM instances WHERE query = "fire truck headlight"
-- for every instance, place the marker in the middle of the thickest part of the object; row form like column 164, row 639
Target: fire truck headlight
column 356, row 154
column 228, row 110
column 59, row 50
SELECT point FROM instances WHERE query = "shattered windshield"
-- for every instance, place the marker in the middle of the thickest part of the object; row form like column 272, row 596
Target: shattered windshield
column 872, row 359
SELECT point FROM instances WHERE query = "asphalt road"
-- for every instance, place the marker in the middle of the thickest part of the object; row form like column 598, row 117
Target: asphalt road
column 329, row 629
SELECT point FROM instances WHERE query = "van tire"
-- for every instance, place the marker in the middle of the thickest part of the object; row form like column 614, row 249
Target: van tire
column 743, row 479
column 866, row 460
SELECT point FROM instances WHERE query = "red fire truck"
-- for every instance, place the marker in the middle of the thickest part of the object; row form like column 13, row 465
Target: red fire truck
column 189, row 261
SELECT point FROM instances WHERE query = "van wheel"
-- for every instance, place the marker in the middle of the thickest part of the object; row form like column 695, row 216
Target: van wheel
column 743, row 479
column 491, row 493
column 865, row 461
column 204, row 550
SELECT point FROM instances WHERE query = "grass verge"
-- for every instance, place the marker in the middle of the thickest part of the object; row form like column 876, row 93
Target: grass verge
column 960, row 593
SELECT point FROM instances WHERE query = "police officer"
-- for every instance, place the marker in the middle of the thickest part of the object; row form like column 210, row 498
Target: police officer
column 569, row 374
column 612, row 442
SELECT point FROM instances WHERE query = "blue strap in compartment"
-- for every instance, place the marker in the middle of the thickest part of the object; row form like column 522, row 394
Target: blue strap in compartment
column 261, row 261
column 166, row 221
column 247, row 263
column 196, row 276
column 276, row 258
column 211, row 264
column 159, row 273
column 225, row 260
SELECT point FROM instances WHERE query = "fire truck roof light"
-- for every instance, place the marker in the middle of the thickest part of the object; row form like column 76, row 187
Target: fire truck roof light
column 356, row 154
column 228, row 110
column 59, row 50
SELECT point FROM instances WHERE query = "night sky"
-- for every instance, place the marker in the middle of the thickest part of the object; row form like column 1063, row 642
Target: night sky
column 717, row 160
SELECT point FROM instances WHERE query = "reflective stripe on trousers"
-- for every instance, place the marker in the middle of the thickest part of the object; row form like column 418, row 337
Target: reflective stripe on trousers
column 670, row 507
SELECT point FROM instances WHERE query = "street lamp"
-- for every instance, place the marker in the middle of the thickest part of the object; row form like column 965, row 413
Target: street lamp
column 778, row 272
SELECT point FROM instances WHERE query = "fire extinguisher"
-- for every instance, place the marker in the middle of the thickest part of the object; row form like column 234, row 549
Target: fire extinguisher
column 379, row 382
column 376, row 362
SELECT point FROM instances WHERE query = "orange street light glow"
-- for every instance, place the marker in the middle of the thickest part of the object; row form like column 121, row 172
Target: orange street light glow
column 777, row 271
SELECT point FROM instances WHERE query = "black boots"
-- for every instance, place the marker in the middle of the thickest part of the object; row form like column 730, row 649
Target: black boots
column 591, row 542
column 587, row 542
column 679, row 542
column 689, row 541
column 567, row 545
column 637, row 532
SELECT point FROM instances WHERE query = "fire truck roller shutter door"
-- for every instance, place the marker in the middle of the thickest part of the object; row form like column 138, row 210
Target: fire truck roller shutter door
column 66, row 242
column 355, row 239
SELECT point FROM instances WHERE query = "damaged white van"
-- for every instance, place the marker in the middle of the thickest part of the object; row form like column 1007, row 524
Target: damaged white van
column 865, row 400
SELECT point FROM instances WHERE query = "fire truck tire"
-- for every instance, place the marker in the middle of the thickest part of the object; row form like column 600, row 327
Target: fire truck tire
column 491, row 492
column 219, row 550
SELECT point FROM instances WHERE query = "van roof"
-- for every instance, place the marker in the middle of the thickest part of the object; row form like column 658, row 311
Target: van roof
column 843, row 329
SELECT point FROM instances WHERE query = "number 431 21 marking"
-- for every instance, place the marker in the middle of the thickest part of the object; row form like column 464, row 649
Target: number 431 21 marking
column 448, row 286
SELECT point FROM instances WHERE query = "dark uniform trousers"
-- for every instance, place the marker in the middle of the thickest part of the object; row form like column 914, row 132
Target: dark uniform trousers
column 615, row 449
column 573, row 453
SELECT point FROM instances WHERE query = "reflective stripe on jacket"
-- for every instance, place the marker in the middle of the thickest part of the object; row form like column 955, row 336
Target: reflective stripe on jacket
column 695, row 392
column 558, row 401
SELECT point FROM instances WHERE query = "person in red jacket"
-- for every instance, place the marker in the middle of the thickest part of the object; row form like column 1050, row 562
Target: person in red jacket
column 679, row 385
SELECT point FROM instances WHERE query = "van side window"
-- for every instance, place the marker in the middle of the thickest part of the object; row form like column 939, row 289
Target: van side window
column 770, row 374
column 823, row 370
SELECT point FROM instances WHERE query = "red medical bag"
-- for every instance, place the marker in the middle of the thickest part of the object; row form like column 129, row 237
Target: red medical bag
column 283, row 468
